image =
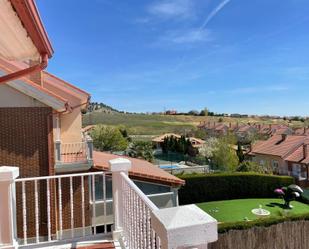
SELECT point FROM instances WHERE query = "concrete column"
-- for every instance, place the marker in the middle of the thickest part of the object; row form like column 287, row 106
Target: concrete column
column 58, row 150
column 184, row 227
column 90, row 148
column 175, row 197
column 8, row 234
column 118, row 166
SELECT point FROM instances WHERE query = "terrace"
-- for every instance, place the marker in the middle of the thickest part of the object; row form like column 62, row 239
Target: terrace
column 40, row 212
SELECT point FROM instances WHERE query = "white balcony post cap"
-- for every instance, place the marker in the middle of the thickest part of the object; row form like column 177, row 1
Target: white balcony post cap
column 184, row 227
column 120, row 164
column 8, row 173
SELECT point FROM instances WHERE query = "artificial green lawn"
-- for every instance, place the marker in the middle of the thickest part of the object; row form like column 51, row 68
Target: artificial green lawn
column 237, row 210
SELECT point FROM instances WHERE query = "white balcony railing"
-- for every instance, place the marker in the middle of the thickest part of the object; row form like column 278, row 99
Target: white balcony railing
column 59, row 209
column 140, row 224
column 52, row 209
column 78, row 152
column 136, row 217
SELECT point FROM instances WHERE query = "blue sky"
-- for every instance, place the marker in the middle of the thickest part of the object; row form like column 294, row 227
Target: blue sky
column 232, row 56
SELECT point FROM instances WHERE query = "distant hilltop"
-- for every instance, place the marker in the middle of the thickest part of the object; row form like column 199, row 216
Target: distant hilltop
column 101, row 107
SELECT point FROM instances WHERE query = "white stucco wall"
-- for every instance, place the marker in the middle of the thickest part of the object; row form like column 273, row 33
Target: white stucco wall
column 71, row 126
column 9, row 97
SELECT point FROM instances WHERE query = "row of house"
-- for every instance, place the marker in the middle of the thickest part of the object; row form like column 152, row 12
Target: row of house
column 244, row 130
column 284, row 155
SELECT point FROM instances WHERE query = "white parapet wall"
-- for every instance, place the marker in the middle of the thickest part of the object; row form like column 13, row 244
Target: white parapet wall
column 184, row 227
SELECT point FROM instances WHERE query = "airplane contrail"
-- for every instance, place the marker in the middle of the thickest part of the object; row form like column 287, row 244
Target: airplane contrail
column 215, row 12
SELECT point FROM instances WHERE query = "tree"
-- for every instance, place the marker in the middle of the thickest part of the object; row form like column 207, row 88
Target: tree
column 193, row 112
column 208, row 148
column 224, row 157
column 107, row 138
column 204, row 112
column 124, row 133
column 240, row 153
column 248, row 166
column 141, row 149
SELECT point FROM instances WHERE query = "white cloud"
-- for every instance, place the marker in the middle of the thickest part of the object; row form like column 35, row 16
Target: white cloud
column 187, row 36
column 172, row 8
column 215, row 12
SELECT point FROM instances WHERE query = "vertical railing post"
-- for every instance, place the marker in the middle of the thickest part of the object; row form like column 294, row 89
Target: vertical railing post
column 117, row 166
column 89, row 142
column 8, row 234
column 58, row 150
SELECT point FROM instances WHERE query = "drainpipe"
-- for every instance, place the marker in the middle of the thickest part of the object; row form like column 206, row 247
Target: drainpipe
column 36, row 68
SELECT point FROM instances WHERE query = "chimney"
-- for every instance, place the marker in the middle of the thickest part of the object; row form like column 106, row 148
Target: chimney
column 36, row 77
column 305, row 153
column 283, row 136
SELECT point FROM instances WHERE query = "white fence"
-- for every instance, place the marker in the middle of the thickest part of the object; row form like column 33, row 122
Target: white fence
column 54, row 196
column 139, row 224
column 64, row 210
column 137, row 229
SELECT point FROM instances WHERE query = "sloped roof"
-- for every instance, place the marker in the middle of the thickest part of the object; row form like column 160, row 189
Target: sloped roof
column 277, row 146
column 53, row 87
column 161, row 138
column 141, row 169
column 302, row 131
column 298, row 155
column 245, row 128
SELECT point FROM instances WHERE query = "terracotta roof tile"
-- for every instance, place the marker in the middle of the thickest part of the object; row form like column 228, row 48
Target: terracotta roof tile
column 277, row 146
column 140, row 168
column 52, row 85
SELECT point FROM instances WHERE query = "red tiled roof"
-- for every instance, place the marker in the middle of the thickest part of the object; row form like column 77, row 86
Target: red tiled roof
column 140, row 169
column 297, row 155
column 302, row 131
column 245, row 128
column 52, row 85
column 277, row 146
column 221, row 127
column 88, row 128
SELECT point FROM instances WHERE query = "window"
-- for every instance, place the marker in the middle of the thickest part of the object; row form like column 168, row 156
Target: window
column 146, row 187
column 275, row 165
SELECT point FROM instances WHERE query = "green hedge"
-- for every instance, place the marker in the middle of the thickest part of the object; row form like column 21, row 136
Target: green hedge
column 225, row 186
column 305, row 196
column 241, row 225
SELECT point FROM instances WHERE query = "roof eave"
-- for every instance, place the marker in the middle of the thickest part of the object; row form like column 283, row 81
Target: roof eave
column 29, row 16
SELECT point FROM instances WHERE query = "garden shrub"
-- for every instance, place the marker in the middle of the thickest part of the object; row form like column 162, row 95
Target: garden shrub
column 241, row 225
column 225, row 186
column 305, row 196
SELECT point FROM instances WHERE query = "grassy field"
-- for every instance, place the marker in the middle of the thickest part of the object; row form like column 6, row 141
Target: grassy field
column 142, row 124
column 239, row 210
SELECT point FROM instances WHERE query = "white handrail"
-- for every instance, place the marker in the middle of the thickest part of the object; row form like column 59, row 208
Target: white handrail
column 60, row 194
column 145, row 199
column 58, row 176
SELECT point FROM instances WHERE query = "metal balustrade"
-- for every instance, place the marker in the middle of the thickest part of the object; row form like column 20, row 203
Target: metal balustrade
column 56, row 186
column 74, row 152
column 77, row 152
